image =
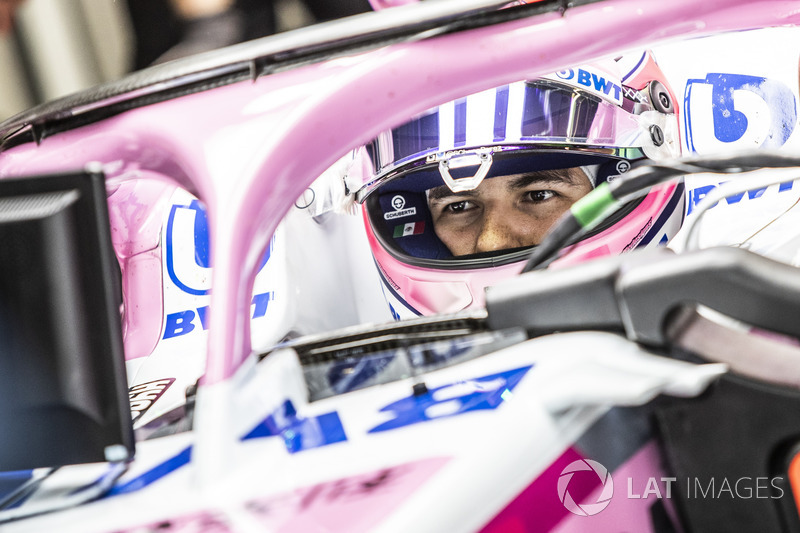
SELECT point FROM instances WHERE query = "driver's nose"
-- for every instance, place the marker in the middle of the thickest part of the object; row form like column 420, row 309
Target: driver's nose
column 498, row 233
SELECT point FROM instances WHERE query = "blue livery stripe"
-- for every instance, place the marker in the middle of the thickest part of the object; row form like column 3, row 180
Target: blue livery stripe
column 154, row 474
column 300, row 433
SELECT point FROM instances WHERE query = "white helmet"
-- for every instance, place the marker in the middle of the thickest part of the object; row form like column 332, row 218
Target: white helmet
column 455, row 199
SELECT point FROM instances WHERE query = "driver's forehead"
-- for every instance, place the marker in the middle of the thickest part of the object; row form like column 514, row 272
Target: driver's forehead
column 565, row 177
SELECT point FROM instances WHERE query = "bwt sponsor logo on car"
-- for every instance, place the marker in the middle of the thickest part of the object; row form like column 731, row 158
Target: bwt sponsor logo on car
column 188, row 249
column 585, row 488
column 737, row 111
column 698, row 194
column 183, row 322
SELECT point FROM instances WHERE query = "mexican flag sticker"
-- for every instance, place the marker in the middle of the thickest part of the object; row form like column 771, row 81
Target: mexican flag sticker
column 412, row 228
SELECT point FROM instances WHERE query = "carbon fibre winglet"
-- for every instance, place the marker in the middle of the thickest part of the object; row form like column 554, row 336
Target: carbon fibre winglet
column 638, row 293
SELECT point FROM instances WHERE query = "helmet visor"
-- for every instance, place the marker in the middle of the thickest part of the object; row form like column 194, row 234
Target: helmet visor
column 507, row 118
column 421, row 220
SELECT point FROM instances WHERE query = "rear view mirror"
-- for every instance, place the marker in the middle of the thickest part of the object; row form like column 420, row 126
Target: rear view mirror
column 63, row 390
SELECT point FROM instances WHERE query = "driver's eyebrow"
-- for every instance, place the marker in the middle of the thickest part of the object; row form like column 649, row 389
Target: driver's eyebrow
column 443, row 191
column 518, row 182
column 545, row 176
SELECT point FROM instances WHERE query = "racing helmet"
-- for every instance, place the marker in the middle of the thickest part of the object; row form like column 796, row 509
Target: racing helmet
column 455, row 199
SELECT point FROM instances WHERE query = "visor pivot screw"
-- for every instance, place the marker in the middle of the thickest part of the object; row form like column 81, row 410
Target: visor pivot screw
column 660, row 97
column 657, row 135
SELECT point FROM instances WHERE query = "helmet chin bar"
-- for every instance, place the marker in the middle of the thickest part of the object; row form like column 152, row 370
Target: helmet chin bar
column 481, row 158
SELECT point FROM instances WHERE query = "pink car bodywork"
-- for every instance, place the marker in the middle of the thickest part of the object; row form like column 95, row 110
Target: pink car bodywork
column 238, row 152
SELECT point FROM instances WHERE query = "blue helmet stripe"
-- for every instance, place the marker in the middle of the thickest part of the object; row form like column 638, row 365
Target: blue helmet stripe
column 460, row 119
column 500, row 113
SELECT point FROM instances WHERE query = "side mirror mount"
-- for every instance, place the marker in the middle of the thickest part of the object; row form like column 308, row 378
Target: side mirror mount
column 63, row 388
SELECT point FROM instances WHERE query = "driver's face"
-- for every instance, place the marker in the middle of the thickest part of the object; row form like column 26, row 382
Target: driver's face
column 506, row 211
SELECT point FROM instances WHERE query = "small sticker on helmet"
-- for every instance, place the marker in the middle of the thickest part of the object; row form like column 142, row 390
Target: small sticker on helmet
column 639, row 236
column 398, row 203
column 592, row 80
column 412, row 228
column 400, row 214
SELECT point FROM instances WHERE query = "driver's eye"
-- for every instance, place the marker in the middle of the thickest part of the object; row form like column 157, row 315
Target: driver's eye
column 458, row 207
column 540, row 196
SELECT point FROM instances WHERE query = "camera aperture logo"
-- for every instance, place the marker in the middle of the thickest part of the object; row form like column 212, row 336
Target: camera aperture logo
column 583, row 468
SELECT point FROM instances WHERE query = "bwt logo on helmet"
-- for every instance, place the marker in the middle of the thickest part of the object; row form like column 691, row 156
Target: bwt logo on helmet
column 580, row 478
column 594, row 81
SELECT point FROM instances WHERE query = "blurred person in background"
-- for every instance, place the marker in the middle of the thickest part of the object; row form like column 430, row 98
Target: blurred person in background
column 7, row 10
column 170, row 29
